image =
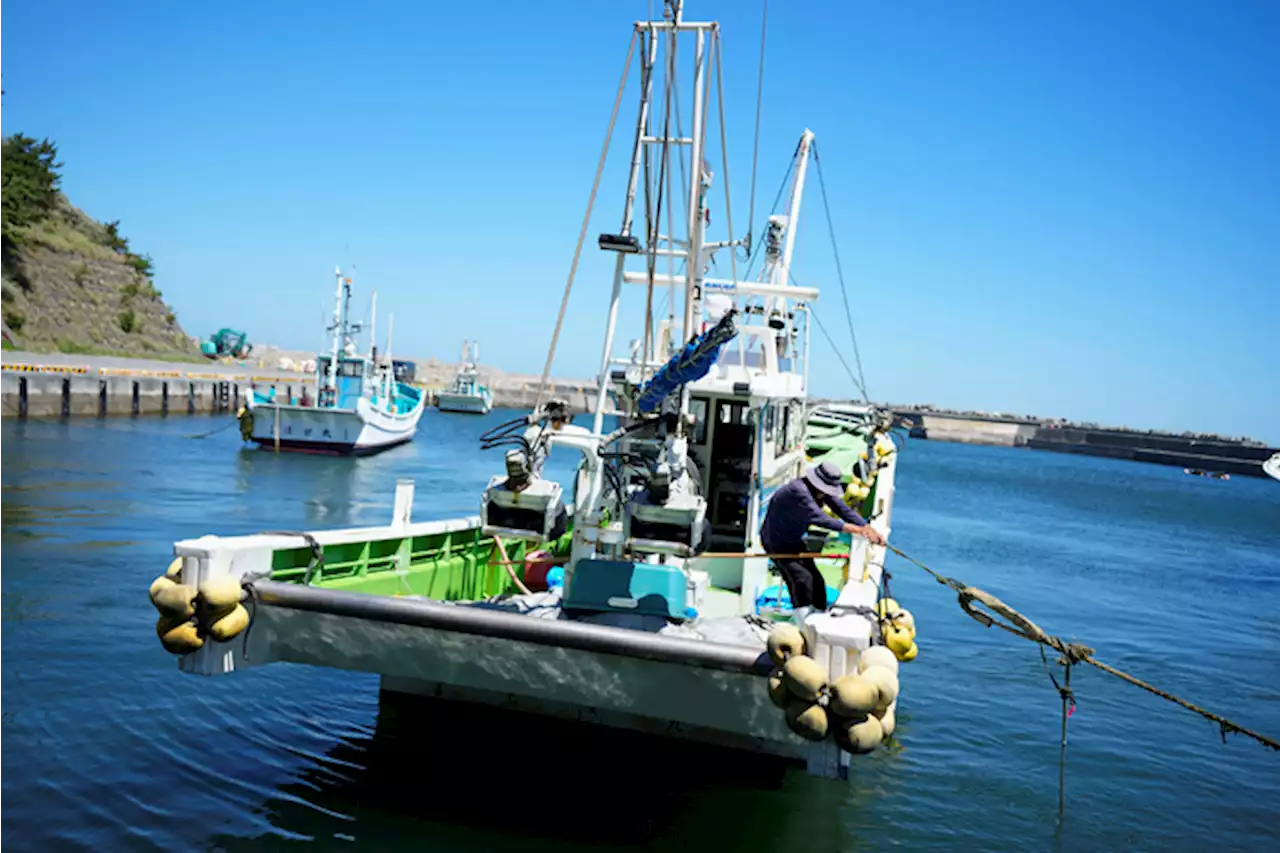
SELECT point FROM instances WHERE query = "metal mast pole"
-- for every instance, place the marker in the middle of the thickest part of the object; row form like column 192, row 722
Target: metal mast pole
column 337, row 332
column 693, row 272
column 615, row 295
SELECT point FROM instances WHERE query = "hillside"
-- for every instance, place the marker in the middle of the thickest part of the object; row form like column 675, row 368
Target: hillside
column 71, row 283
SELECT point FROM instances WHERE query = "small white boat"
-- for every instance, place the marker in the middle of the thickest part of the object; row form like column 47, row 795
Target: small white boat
column 360, row 407
column 1272, row 466
column 467, row 394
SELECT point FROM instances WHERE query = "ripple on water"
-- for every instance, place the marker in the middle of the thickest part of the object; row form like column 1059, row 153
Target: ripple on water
column 107, row 745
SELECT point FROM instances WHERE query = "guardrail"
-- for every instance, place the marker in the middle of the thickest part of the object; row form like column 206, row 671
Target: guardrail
column 47, row 368
column 84, row 369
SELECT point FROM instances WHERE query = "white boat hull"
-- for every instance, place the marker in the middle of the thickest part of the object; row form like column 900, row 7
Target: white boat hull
column 1272, row 466
column 478, row 404
column 729, row 709
column 362, row 430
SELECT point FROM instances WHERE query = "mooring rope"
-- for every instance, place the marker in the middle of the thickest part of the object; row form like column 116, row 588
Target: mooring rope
column 1072, row 653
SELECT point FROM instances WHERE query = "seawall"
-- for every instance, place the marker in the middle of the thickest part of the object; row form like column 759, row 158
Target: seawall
column 1161, row 449
column 90, row 393
column 52, row 386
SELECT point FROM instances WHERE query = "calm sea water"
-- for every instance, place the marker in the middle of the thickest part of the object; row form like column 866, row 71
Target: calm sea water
column 107, row 746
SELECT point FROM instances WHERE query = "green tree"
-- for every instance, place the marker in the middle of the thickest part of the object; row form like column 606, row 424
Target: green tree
column 29, row 182
column 114, row 240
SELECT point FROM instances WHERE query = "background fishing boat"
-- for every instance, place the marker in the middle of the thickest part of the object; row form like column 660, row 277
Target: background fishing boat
column 467, row 393
column 360, row 407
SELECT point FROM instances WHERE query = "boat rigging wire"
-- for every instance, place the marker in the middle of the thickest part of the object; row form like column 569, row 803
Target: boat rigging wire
column 836, row 350
column 786, row 179
column 663, row 172
column 844, row 291
column 755, row 148
column 716, row 42
column 586, row 222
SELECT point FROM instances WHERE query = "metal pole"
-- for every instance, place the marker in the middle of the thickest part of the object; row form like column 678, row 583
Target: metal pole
column 693, row 271
column 615, row 295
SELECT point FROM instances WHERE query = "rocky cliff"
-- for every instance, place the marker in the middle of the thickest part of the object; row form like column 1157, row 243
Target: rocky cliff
column 71, row 283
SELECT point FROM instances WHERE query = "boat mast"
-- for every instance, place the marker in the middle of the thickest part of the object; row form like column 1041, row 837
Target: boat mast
column 389, row 375
column 793, row 210
column 692, row 249
column 647, row 59
column 339, row 332
column 373, row 332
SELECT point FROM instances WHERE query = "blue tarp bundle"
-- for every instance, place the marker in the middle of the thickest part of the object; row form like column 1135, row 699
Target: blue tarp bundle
column 689, row 365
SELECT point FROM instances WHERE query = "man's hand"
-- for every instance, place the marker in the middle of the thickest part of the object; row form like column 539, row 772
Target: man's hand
column 868, row 532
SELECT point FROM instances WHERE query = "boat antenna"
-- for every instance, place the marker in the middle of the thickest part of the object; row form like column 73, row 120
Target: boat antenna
column 755, row 148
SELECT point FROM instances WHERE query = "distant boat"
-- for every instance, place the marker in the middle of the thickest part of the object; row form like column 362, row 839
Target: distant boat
column 1272, row 466
column 361, row 407
column 1212, row 475
column 467, row 394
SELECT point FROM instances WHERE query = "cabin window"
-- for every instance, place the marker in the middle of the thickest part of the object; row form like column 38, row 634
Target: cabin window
column 784, row 439
column 698, row 408
column 734, row 413
column 769, row 418
column 351, row 369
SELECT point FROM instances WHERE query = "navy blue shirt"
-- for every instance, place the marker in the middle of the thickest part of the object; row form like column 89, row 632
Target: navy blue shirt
column 793, row 509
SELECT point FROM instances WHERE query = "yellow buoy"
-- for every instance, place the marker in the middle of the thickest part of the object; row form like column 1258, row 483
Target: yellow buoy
column 784, row 642
column 877, row 656
column 809, row 720
column 230, row 625
column 906, row 620
column 778, row 692
column 862, row 736
column 162, row 582
column 897, row 638
column 886, row 683
column 886, row 607
column 888, row 722
column 804, row 677
column 910, row 654
column 176, row 600
column 178, row 636
column 220, row 594
column 853, row 696
column 175, row 569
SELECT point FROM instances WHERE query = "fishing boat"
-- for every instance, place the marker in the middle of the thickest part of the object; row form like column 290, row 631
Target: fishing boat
column 638, row 595
column 467, row 394
column 360, row 406
column 1272, row 466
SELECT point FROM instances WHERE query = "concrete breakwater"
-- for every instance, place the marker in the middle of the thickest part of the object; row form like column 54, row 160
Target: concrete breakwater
column 99, row 387
column 1162, row 449
column 59, row 391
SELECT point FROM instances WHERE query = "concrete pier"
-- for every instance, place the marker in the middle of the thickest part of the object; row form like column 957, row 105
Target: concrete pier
column 37, row 389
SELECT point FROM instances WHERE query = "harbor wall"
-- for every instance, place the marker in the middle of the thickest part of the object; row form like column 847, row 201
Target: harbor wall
column 101, row 387
column 1160, row 449
column 84, row 393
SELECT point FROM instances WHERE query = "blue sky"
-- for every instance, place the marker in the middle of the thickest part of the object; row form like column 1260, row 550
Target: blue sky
column 1067, row 208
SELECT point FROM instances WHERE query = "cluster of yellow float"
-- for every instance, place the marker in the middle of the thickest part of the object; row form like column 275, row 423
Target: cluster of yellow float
column 190, row 614
column 856, row 710
column 898, row 629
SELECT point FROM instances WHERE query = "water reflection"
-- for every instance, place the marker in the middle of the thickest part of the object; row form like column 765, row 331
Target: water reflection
column 453, row 776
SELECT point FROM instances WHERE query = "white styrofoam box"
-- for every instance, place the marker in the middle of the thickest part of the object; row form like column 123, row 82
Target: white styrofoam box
column 836, row 641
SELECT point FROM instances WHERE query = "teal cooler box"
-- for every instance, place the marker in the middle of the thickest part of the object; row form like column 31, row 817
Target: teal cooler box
column 615, row 586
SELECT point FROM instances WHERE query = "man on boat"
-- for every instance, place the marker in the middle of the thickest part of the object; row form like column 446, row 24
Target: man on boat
column 792, row 509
